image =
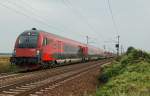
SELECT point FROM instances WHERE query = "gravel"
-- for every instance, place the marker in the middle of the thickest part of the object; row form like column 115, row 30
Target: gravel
column 84, row 85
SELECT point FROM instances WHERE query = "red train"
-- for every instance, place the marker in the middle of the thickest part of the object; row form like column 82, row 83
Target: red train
column 35, row 48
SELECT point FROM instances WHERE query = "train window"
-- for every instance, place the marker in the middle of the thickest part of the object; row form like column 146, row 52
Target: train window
column 49, row 41
column 27, row 41
column 29, row 34
column 45, row 41
column 71, row 49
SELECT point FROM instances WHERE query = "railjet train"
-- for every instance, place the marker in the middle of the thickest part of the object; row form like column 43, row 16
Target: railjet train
column 36, row 48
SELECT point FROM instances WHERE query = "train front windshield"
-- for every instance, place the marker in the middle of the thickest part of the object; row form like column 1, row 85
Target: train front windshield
column 28, row 40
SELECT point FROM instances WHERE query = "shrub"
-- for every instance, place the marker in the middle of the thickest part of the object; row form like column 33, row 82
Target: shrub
column 129, row 76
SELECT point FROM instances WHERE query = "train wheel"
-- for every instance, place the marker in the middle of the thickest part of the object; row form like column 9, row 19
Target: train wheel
column 45, row 65
column 65, row 62
column 53, row 64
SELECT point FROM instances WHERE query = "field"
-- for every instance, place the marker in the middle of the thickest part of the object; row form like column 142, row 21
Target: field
column 127, row 76
column 5, row 65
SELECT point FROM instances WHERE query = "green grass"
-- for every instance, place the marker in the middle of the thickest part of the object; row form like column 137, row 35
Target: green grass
column 6, row 67
column 129, row 76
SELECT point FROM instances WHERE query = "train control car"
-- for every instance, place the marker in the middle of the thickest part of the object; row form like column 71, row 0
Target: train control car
column 36, row 48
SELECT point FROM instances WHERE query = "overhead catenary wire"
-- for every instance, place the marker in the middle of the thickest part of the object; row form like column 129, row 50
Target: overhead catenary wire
column 44, row 18
column 117, row 41
column 74, row 11
column 82, row 17
column 18, row 12
column 37, row 19
column 35, row 11
column 22, row 12
column 112, row 17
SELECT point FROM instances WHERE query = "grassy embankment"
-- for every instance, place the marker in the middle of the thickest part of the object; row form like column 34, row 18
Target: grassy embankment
column 5, row 65
column 128, row 76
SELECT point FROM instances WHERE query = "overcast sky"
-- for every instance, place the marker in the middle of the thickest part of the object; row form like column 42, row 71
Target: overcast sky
column 77, row 19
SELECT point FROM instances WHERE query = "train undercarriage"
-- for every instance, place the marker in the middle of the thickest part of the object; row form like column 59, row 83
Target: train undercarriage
column 31, row 63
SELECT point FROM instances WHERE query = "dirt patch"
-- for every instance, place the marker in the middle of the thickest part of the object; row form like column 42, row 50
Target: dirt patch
column 81, row 86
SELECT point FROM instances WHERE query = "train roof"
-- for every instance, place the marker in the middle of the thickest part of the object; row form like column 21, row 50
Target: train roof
column 54, row 35
column 60, row 37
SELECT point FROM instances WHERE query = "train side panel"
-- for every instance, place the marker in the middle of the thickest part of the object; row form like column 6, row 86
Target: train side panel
column 38, row 48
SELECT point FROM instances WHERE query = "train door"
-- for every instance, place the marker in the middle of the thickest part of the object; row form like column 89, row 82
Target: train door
column 85, row 53
column 59, row 49
column 80, row 52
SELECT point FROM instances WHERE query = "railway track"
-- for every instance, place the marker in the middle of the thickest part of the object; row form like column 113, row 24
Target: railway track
column 40, row 82
column 20, row 77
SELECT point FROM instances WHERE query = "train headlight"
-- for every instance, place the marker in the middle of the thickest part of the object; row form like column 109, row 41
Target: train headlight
column 37, row 52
